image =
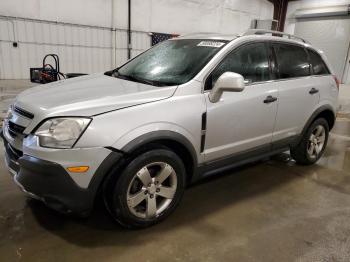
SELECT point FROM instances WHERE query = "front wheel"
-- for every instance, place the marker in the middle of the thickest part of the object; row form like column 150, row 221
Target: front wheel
column 148, row 189
column 313, row 143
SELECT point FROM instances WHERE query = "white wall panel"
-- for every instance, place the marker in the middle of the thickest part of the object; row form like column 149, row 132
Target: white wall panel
column 88, row 12
column 121, row 47
column 140, row 41
column 305, row 4
column 188, row 16
column 6, row 31
column 330, row 34
column 80, row 32
column 80, row 48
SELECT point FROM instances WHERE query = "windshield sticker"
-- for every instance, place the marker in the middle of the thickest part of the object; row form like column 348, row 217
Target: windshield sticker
column 215, row 44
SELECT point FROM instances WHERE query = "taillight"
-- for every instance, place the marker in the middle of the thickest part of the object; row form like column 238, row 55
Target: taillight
column 336, row 81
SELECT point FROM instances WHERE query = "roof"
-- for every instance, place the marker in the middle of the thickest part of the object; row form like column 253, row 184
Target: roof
column 271, row 35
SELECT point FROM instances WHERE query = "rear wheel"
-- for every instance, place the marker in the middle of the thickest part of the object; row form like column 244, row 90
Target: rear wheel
column 313, row 143
column 148, row 189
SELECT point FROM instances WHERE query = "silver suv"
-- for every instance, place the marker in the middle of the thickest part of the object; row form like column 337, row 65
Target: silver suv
column 182, row 110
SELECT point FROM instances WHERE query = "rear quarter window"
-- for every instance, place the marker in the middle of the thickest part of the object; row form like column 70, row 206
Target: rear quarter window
column 318, row 65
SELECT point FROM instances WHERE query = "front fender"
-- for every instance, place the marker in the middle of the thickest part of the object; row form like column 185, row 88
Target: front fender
column 158, row 131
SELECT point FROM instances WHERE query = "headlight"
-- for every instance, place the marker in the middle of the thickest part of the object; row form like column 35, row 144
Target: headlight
column 61, row 132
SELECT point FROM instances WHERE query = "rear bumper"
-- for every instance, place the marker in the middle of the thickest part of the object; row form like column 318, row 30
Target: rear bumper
column 50, row 182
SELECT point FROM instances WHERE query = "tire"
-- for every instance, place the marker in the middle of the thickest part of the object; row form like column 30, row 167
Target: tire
column 312, row 146
column 148, row 189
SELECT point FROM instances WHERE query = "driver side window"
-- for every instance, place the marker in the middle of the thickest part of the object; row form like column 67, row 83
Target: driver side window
column 251, row 61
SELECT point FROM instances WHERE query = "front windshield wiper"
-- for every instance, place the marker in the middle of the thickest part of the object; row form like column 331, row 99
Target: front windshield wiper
column 137, row 79
column 115, row 73
column 141, row 80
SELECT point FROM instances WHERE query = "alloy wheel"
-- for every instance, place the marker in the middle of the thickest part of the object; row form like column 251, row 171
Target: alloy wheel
column 316, row 141
column 152, row 190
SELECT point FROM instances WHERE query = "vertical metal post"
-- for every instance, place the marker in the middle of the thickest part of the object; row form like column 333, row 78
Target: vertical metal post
column 129, row 29
column 279, row 12
column 113, row 31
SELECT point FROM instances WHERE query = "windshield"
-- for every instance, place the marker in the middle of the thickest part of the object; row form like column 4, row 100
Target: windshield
column 172, row 62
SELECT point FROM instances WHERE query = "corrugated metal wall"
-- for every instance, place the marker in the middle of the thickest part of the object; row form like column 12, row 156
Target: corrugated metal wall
column 81, row 48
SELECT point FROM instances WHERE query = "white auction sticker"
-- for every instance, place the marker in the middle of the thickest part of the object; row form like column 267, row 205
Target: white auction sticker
column 215, row 44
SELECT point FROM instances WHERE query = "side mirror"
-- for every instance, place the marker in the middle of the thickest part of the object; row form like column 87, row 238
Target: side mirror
column 227, row 82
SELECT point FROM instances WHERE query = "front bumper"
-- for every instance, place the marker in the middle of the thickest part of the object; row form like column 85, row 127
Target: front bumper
column 51, row 183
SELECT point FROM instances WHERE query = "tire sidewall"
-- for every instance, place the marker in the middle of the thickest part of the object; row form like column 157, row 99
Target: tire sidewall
column 119, row 204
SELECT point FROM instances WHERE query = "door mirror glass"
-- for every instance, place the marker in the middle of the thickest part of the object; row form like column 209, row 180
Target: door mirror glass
column 227, row 82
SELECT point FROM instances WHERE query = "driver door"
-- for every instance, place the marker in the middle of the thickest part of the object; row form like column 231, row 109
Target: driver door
column 241, row 121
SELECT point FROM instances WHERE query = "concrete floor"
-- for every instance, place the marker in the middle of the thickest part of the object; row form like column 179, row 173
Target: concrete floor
column 268, row 211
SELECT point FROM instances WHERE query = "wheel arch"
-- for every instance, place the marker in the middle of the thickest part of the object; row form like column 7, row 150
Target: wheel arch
column 329, row 116
column 119, row 158
column 325, row 112
column 169, row 139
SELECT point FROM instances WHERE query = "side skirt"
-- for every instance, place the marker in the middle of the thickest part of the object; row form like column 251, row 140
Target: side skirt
column 239, row 159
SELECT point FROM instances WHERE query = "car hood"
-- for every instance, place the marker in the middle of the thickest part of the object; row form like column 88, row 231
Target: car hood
column 88, row 95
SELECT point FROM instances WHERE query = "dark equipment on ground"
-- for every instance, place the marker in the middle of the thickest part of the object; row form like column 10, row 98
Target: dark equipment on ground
column 49, row 73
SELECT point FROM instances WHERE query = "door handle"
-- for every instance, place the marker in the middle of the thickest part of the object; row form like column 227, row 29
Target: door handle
column 270, row 99
column 313, row 91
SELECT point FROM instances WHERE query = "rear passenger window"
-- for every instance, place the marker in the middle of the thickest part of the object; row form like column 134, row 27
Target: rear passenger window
column 318, row 66
column 250, row 61
column 292, row 61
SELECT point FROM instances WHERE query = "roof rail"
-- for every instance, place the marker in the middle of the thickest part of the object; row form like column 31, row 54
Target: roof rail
column 265, row 32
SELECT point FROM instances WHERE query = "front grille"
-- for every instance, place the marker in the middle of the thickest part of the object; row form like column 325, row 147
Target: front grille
column 23, row 112
column 15, row 129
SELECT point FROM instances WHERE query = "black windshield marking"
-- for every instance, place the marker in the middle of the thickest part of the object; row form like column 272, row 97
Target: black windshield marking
column 172, row 62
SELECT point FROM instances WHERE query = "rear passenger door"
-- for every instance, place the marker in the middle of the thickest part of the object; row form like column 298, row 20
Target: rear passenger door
column 298, row 94
column 323, row 79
